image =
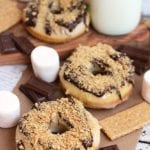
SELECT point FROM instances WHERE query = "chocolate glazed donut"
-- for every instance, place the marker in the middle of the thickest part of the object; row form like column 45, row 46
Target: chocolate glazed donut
column 58, row 125
column 56, row 20
column 99, row 76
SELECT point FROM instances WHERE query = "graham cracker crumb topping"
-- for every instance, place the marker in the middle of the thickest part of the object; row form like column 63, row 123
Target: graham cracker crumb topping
column 58, row 14
column 99, row 69
column 66, row 112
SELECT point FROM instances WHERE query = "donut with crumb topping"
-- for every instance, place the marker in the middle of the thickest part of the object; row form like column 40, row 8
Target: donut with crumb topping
column 99, row 76
column 58, row 125
column 56, row 21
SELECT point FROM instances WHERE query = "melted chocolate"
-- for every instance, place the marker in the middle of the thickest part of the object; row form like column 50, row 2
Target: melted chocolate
column 103, row 68
column 47, row 28
column 31, row 15
column 70, row 25
column 87, row 143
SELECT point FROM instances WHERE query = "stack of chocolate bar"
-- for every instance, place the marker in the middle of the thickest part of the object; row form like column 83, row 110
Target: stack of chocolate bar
column 141, row 57
column 39, row 91
column 9, row 43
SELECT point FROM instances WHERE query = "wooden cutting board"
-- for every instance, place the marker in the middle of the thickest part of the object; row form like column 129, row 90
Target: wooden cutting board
column 139, row 35
column 128, row 142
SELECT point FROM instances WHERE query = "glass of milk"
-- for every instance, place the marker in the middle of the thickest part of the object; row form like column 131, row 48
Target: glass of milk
column 115, row 17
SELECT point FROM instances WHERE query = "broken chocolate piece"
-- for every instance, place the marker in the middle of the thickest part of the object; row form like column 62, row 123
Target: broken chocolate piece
column 23, row 44
column 33, row 96
column 6, row 44
column 39, row 91
column 112, row 147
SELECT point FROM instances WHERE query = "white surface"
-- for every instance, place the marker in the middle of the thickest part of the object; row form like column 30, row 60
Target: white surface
column 146, row 7
column 9, row 109
column 146, row 86
column 45, row 63
column 9, row 76
column 115, row 17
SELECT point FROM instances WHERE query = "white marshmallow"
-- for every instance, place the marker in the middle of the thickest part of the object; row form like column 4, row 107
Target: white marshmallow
column 146, row 86
column 9, row 109
column 45, row 63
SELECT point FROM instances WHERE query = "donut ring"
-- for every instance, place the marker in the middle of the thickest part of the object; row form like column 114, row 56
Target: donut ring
column 59, row 125
column 56, row 21
column 98, row 76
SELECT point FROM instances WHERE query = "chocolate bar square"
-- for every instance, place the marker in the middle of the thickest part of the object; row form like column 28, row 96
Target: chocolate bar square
column 6, row 44
column 23, row 44
column 38, row 91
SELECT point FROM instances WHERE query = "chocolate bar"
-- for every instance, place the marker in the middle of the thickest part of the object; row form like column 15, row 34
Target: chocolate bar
column 23, row 44
column 140, row 67
column 6, row 44
column 136, row 53
column 140, row 56
column 39, row 91
column 33, row 96
column 111, row 147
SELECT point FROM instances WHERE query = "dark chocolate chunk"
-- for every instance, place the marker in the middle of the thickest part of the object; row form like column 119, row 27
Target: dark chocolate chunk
column 33, row 96
column 39, row 91
column 23, row 44
column 112, row 147
column 6, row 44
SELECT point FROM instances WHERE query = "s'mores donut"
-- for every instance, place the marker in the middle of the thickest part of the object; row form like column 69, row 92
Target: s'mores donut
column 56, row 21
column 58, row 125
column 98, row 76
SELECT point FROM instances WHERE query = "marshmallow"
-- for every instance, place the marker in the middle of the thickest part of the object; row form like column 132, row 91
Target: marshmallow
column 146, row 86
column 45, row 63
column 9, row 109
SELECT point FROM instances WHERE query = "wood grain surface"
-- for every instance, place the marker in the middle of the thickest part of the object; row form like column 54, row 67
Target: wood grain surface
column 139, row 35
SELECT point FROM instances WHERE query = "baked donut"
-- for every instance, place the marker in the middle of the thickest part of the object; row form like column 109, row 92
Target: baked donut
column 99, row 76
column 58, row 125
column 56, row 20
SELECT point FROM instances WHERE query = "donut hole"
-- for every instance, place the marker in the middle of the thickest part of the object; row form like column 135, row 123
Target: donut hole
column 99, row 67
column 59, row 126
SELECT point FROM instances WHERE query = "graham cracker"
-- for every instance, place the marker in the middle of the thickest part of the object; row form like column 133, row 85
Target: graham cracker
column 126, row 121
column 10, row 14
column 147, row 23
